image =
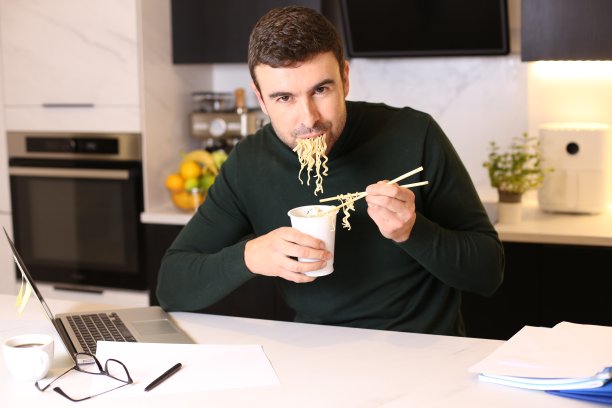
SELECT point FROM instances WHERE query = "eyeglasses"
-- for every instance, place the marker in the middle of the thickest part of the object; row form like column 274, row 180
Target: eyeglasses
column 89, row 364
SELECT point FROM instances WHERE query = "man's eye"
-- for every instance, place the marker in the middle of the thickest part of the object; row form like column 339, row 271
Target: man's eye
column 321, row 89
column 284, row 98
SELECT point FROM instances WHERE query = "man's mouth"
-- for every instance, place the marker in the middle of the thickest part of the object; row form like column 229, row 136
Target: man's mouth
column 310, row 136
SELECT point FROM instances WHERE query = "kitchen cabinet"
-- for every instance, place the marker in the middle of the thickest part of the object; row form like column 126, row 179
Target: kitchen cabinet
column 208, row 31
column 565, row 30
column 544, row 284
column 70, row 65
column 8, row 280
column 257, row 298
column 5, row 201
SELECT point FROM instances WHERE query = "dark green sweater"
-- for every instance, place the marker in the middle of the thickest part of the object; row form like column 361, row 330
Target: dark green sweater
column 413, row 286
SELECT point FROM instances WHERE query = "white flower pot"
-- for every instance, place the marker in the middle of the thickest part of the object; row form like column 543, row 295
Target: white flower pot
column 509, row 213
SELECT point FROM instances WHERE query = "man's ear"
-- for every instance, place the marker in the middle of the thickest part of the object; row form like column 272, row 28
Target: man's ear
column 346, row 78
column 262, row 105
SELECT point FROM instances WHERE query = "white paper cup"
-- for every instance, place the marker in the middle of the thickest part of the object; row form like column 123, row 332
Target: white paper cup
column 28, row 356
column 319, row 222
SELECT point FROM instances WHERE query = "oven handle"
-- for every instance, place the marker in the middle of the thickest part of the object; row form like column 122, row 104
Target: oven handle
column 70, row 173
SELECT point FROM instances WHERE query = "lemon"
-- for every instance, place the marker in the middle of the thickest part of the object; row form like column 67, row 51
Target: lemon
column 190, row 169
column 219, row 156
column 174, row 182
column 206, row 181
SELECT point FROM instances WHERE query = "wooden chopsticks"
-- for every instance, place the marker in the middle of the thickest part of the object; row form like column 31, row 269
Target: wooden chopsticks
column 420, row 183
column 358, row 196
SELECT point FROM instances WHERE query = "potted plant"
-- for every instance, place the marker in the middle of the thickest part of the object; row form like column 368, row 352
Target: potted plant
column 514, row 172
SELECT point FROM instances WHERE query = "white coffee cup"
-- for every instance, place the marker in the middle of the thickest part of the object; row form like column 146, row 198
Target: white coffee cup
column 28, row 356
column 318, row 221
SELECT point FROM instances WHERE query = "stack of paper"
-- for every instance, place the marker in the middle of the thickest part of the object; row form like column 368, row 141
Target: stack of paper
column 572, row 360
column 205, row 366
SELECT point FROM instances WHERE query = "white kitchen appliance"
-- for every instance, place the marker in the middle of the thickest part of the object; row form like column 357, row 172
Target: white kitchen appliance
column 579, row 154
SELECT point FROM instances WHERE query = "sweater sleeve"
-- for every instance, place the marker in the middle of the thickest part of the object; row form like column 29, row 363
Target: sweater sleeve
column 453, row 237
column 206, row 260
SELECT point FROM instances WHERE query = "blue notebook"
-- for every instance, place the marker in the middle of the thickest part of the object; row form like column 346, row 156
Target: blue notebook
column 602, row 395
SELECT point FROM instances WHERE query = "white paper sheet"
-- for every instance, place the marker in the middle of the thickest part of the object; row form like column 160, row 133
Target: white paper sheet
column 566, row 351
column 205, row 367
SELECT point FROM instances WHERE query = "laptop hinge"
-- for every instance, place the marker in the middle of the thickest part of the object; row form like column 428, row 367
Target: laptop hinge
column 61, row 330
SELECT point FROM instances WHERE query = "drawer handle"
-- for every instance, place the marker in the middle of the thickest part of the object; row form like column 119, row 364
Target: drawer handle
column 103, row 174
column 68, row 105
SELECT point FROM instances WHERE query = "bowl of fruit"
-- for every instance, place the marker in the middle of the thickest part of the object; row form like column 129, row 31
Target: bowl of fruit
column 197, row 171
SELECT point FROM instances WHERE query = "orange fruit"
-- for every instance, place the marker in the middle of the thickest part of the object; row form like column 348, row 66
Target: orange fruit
column 174, row 182
column 190, row 169
column 186, row 200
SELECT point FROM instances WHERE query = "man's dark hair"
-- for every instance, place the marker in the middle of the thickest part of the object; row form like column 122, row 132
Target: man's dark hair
column 287, row 36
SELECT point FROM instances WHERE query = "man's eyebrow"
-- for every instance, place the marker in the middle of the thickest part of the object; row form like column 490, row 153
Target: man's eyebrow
column 278, row 94
column 323, row 83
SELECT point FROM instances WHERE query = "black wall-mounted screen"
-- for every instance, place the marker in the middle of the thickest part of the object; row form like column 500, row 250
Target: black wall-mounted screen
column 411, row 28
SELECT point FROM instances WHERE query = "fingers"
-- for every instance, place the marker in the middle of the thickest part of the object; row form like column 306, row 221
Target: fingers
column 297, row 244
column 393, row 210
column 388, row 195
column 275, row 253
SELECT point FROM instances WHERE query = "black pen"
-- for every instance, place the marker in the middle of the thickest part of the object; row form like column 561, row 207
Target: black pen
column 163, row 377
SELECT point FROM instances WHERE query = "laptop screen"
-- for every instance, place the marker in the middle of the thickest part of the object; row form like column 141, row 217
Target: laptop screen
column 26, row 275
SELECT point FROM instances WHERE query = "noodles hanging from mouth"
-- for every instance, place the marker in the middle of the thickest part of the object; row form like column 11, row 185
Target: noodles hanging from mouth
column 311, row 154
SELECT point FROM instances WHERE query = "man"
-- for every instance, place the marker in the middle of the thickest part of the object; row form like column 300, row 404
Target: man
column 409, row 254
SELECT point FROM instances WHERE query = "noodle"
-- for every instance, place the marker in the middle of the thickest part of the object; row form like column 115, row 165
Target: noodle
column 347, row 198
column 311, row 154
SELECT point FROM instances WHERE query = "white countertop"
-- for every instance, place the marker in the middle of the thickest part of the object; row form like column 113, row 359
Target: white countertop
column 540, row 227
column 317, row 366
column 167, row 215
column 536, row 226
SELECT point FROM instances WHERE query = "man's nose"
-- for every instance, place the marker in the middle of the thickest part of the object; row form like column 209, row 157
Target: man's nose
column 310, row 113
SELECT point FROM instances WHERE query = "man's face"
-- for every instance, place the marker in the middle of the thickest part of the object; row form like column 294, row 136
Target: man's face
column 306, row 100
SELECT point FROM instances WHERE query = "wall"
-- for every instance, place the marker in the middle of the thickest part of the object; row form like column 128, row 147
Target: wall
column 475, row 99
column 166, row 100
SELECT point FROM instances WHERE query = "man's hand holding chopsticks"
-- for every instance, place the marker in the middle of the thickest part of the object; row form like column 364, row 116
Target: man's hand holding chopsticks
column 392, row 209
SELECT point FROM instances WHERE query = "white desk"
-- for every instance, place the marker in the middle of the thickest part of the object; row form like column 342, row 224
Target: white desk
column 318, row 366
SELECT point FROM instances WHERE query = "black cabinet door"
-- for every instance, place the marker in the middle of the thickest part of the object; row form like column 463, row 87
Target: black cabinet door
column 544, row 285
column 212, row 31
column 578, row 285
column 257, row 298
column 515, row 304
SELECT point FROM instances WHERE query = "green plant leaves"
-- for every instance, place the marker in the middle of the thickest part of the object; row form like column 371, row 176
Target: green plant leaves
column 519, row 169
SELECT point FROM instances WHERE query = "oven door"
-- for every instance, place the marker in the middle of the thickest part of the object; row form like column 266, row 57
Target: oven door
column 78, row 224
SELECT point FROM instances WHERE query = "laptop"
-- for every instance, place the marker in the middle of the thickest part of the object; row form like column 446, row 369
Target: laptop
column 80, row 331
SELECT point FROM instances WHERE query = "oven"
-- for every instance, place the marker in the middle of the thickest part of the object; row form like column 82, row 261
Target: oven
column 76, row 201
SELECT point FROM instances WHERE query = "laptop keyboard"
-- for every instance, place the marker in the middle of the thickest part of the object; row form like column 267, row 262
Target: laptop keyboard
column 89, row 328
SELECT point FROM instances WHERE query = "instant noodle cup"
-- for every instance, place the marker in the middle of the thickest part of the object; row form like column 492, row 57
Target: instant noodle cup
column 318, row 221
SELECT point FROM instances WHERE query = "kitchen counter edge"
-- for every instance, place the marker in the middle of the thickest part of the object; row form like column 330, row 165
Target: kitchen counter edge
column 536, row 227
